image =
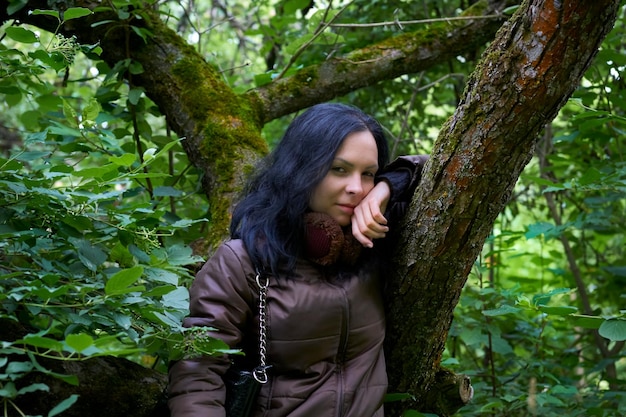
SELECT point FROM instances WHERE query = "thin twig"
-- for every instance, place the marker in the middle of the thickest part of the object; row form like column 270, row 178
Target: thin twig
column 413, row 22
column 305, row 45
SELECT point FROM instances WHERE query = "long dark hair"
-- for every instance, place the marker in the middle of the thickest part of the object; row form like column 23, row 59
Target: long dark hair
column 270, row 216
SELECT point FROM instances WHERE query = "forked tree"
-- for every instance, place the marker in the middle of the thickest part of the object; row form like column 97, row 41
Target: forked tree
column 535, row 60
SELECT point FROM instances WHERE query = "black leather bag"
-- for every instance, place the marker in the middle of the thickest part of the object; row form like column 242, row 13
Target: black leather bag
column 242, row 390
column 242, row 385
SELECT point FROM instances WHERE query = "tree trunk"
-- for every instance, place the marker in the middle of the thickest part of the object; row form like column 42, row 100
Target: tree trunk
column 526, row 75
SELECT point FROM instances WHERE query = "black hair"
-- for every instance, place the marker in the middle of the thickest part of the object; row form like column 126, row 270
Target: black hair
column 270, row 216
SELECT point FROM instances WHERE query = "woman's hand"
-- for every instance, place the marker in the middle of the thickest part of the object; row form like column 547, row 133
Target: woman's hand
column 368, row 222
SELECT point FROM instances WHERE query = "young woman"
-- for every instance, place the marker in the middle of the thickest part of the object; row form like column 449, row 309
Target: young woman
column 309, row 218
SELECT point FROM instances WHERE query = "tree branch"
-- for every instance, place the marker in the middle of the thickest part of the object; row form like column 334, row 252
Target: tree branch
column 408, row 53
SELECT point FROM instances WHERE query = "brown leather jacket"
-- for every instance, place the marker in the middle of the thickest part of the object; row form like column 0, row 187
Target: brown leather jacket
column 325, row 336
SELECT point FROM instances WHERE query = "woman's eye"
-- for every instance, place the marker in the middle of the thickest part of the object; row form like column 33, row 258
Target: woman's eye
column 369, row 174
column 338, row 169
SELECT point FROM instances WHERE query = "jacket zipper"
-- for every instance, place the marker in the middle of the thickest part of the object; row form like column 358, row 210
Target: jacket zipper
column 341, row 353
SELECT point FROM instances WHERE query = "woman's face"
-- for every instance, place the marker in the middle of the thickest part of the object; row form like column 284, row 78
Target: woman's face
column 349, row 179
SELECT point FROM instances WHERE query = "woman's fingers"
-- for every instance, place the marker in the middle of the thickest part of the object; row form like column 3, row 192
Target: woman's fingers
column 368, row 223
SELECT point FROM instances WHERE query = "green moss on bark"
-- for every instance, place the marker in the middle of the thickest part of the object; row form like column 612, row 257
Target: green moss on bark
column 228, row 124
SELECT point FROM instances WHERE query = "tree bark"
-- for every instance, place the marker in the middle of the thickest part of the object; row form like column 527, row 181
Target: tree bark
column 526, row 75
column 536, row 61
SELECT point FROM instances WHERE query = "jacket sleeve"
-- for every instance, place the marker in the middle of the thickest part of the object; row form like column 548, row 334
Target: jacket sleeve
column 403, row 175
column 220, row 297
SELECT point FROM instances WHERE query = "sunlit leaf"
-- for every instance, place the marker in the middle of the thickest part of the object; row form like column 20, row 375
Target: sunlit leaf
column 75, row 13
column 79, row 342
column 52, row 13
column 20, row 34
column 91, row 111
column 124, row 160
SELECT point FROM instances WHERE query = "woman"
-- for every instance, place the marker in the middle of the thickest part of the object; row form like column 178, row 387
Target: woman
column 309, row 218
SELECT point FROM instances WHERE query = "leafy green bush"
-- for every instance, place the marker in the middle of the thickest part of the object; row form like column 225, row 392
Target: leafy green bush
column 94, row 226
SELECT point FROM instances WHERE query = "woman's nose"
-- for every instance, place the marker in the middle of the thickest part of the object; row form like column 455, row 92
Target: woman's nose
column 354, row 185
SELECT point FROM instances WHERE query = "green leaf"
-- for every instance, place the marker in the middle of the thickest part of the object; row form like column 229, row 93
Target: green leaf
column 542, row 299
column 292, row 6
column 91, row 111
column 63, row 405
column 52, row 13
column 538, row 229
column 500, row 311
column 134, row 95
column 91, row 256
column 8, row 390
column 80, row 223
column 619, row 271
column 20, row 34
column 33, row 388
column 79, row 342
column 37, row 137
column 136, row 68
column 178, row 299
column 14, row 368
column 500, row 345
column 144, row 34
column 614, row 330
column 15, row 6
column 121, row 281
column 57, row 128
column 96, row 172
column 9, row 89
column 588, row 322
column 293, row 47
column 262, row 79
column 540, row 181
column 75, row 13
column 510, row 10
column 42, row 342
column 31, row 156
column 163, row 151
column 70, row 114
column 558, row 311
column 161, row 275
column 167, row 319
column 125, row 160
column 166, row 191
column 564, row 390
column 591, row 176
column 181, row 255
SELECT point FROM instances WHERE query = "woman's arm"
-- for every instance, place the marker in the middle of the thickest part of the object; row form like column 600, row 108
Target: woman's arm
column 220, row 298
column 395, row 185
column 368, row 221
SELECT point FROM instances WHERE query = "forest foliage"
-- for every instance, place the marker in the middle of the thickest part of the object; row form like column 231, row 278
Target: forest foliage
column 100, row 207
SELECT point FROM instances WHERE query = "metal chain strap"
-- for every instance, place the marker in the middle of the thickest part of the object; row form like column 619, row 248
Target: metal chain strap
column 260, row 372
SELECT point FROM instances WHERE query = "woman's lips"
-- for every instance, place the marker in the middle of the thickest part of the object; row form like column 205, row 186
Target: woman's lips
column 346, row 208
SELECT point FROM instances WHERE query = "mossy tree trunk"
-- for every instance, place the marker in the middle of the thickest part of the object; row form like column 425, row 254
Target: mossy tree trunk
column 529, row 71
column 536, row 61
